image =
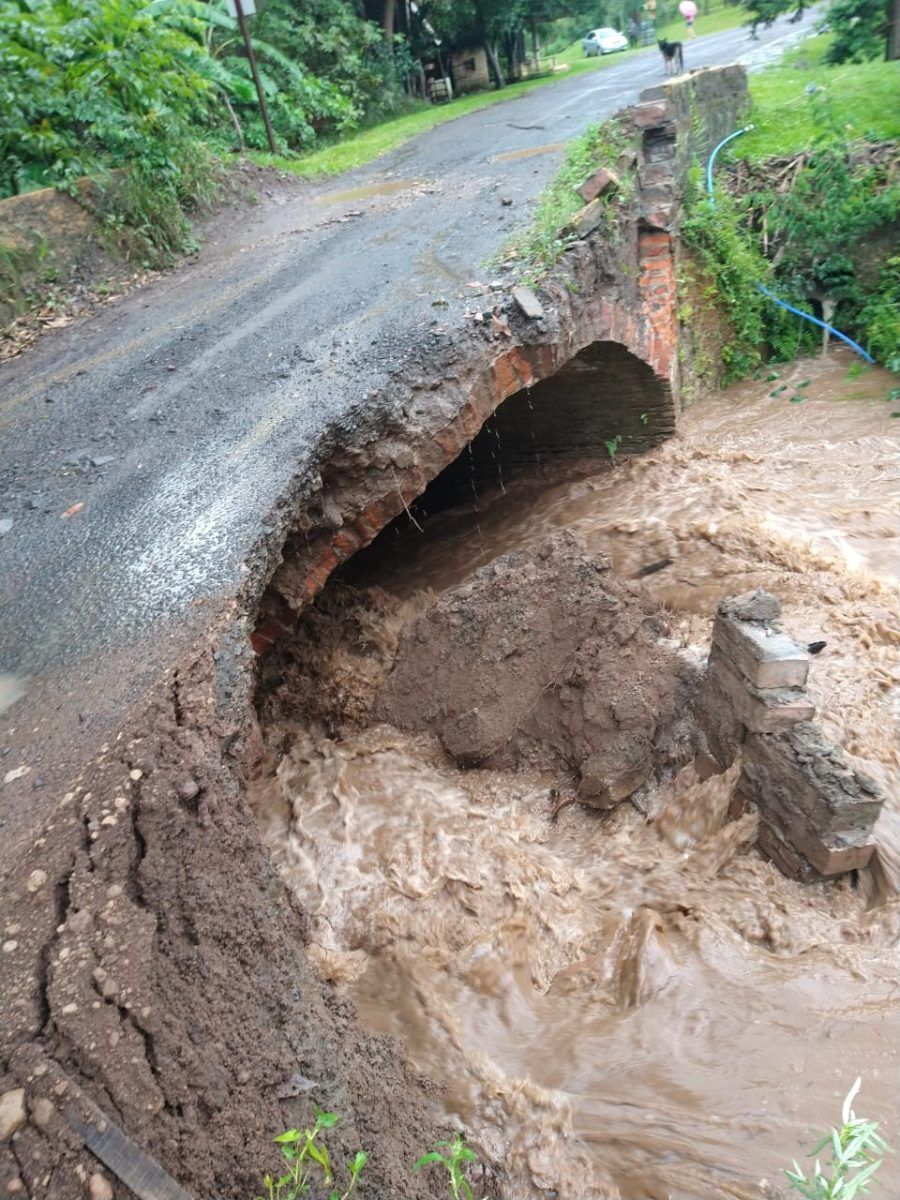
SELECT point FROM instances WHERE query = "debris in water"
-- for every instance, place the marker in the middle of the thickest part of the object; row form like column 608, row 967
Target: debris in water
column 652, row 568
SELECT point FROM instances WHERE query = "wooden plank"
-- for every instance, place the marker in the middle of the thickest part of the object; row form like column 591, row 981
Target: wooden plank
column 122, row 1156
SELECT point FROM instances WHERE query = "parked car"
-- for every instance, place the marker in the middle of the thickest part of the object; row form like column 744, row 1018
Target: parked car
column 604, row 41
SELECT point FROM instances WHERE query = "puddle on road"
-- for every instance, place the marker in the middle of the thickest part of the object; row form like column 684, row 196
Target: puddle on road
column 12, row 688
column 624, row 1007
column 390, row 187
column 528, row 152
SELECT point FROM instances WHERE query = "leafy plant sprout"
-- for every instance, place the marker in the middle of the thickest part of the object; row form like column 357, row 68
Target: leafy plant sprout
column 856, row 1152
column 612, row 446
column 307, row 1158
column 456, row 1155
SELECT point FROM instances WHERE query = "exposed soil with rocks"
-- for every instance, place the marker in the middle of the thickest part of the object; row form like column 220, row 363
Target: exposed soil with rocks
column 547, row 657
column 152, row 951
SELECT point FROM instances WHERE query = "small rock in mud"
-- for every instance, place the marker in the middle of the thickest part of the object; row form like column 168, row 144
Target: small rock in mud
column 36, row 880
column 43, row 1112
column 187, row 788
column 12, row 1112
column 99, row 1187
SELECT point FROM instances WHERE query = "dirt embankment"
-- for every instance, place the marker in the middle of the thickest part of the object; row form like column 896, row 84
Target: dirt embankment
column 546, row 656
column 152, row 952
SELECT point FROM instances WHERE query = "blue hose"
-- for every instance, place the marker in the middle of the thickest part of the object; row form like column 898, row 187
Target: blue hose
column 765, row 291
column 821, row 324
column 712, row 159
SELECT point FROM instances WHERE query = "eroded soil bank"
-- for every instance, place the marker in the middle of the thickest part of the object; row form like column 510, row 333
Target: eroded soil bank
column 613, row 1003
column 630, row 1003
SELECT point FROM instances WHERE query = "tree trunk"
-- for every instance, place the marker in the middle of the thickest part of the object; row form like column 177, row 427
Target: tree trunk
column 520, row 49
column 490, row 49
column 387, row 19
column 892, row 50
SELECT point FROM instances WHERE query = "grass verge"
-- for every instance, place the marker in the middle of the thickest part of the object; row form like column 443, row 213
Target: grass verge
column 538, row 247
column 865, row 95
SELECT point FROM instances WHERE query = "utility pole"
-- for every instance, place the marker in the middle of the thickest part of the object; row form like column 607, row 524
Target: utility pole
column 237, row 10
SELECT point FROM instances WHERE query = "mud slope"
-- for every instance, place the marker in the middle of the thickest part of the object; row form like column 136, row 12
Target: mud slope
column 152, row 952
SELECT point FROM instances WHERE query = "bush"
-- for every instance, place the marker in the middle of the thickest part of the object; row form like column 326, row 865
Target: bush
column 879, row 318
column 95, row 84
column 735, row 268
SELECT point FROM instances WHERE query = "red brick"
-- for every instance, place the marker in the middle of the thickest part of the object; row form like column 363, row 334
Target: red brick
column 546, row 364
column 651, row 114
column 472, row 420
column 602, row 181
column 504, row 378
column 521, row 365
column 451, row 440
column 651, row 245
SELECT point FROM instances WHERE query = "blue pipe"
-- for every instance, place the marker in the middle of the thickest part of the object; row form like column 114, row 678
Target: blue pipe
column 765, row 291
column 821, row 324
column 712, row 159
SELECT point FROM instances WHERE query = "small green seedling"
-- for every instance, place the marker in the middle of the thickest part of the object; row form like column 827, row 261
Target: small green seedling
column 456, row 1156
column 612, row 446
column 856, row 1152
column 644, row 418
column 777, row 391
column 308, row 1158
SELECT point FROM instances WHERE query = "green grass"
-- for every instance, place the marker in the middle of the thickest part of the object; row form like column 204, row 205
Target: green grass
column 361, row 148
column 538, row 247
column 866, row 96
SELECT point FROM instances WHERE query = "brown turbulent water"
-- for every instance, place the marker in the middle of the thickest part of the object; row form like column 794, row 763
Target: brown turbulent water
column 636, row 1005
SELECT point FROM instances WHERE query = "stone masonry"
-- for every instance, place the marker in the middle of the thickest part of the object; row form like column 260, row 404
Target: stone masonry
column 817, row 814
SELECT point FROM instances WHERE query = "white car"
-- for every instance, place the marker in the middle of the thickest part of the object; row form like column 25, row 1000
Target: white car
column 604, row 41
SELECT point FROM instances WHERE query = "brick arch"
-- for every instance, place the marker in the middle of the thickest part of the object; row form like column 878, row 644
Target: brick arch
column 364, row 490
column 603, row 400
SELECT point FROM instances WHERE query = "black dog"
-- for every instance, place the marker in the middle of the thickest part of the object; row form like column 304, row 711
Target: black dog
column 672, row 57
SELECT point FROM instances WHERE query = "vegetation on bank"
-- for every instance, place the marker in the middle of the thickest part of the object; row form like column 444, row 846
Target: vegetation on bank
column 800, row 207
column 542, row 242
column 854, row 1153
column 308, row 1167
column 800, row 219
column 864, row 98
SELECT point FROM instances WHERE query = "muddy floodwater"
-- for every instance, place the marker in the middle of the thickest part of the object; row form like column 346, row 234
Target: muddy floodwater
column 634, row 1004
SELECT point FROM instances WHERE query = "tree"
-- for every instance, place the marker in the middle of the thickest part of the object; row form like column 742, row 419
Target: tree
column 863, row 29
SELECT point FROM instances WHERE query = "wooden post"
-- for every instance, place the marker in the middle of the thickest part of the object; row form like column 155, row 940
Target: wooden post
column 245, row 34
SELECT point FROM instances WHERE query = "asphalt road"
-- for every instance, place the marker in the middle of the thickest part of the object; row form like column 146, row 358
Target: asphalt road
column 199, row 397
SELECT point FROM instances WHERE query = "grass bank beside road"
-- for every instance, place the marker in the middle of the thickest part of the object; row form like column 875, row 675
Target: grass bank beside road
column 864, row 99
